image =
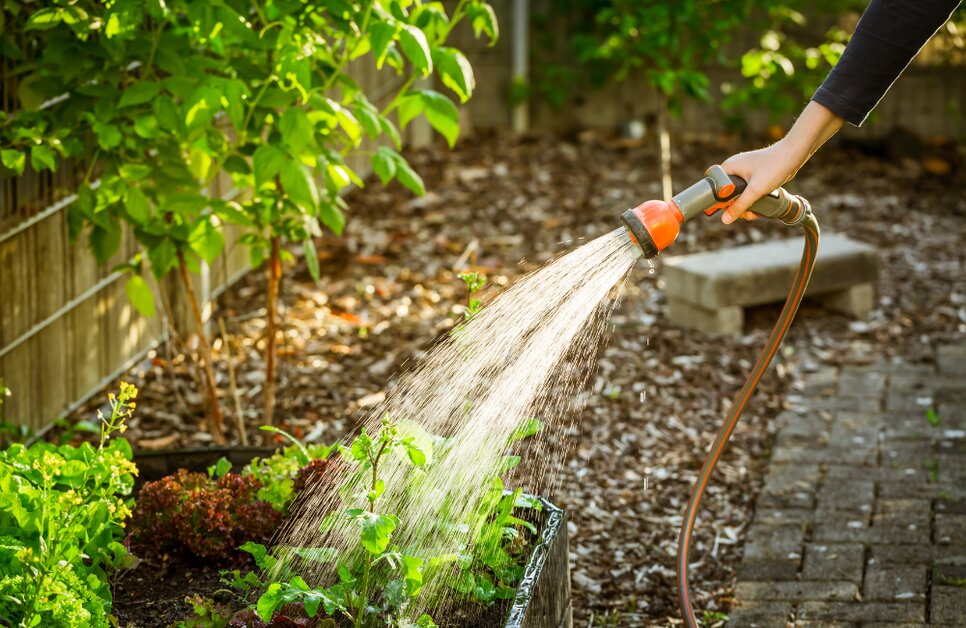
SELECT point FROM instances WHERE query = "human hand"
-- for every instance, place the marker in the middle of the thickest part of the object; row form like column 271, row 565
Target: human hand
column 764, row 170
column 769, row 168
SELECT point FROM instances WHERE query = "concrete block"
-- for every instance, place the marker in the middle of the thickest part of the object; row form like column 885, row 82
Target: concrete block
column 895, row 583
column 700, row 284
column 856, row 301
column 721, row 321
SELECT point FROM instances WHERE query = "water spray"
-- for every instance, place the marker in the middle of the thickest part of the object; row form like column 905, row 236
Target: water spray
column 654, row 225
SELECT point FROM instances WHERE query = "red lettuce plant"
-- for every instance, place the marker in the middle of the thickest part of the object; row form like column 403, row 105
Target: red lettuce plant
column 200, row 516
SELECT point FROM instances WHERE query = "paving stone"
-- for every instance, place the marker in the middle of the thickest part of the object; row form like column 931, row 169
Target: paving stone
column 773, row 516
column 907, row 451
column 842, row 434
column 850, row 495
column 821, row 381
column 861, row 381
column 951, row 358
column 841, row 530
column 912, row 514
column 948, row 605
column 901, row 401
column 802, row 499
column 950, row 528
column 952, row 468
column 854, row 404
column 922, row 554
column 759, row 614
column 950, row 575
column 790, row 478
column 795, row 591
column 862, row 612
column 833, row 561
column 910, row 426
column 828, row 455
column 895, row 582
column 910, row 382
column 950, row 506
column 858, row 420
column 774, row 542
column 775, row 569
column 916, row 489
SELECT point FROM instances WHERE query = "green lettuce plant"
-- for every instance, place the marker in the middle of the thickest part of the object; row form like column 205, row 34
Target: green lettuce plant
column 62, row 516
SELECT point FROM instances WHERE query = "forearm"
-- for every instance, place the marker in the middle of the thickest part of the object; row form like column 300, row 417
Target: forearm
column 813, row 128
column 889, row 35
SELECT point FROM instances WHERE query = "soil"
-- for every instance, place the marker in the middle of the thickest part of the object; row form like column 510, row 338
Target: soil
column 624, row 468
column 155, row 592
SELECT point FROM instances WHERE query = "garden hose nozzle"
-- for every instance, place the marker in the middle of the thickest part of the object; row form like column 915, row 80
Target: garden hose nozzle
column 654, row 225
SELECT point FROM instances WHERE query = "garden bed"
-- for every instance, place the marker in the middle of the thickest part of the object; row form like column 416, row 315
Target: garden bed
column 166, row 588
column 624, row 469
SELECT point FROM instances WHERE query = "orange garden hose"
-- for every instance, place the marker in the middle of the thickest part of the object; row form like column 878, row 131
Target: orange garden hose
column 810, row 226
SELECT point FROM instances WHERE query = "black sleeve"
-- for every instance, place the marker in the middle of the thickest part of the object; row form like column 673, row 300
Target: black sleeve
column 889, row 35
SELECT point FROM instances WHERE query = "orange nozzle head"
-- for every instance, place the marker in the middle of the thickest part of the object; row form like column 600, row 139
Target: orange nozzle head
column 653, row 225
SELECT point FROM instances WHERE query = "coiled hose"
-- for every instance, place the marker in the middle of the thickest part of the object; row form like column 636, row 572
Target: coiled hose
column 810, row 225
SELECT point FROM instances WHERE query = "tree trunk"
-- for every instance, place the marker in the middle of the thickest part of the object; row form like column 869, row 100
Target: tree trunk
column 667, row 188
column 214, row 408
column 274, row 274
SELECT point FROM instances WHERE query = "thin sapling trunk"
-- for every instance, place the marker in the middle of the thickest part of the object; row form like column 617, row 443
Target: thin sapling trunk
column 214, row 408
column 274, row 275
column 667, row 188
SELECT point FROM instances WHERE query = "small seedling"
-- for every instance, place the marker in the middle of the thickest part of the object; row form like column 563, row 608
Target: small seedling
column 933, row 417
column 474, row 283
column 713, row 618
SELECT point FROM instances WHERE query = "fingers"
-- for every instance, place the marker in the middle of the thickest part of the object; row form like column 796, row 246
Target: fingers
column 739, row 207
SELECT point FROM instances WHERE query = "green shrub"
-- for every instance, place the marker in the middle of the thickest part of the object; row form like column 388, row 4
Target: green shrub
column 62, row 514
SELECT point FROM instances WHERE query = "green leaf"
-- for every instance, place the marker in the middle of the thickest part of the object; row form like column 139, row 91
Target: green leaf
column 380, row 36
column 108, row 135
column 104, row 241
column 425, row 621
column 384, row 164
column 377, row 531
column 138, row 93
column 14, row 159
column 413, row 572
column 932, row 417
column 332, row 217
column 136, row 204
column 442, row 115
column 410, row 106
column 296, row 129
column 455, row 71
column 311, row 258
column 416, row 48
column 222, row 467
column 45, row 19
column 269, row 601
column 300, row 187
column 268, row 161
column 483, row 19
column 134, row 172
column 408, row 177
column 206, row 240
column 41, row 157
column 139, row 293
column 368, row 117
column 146, row 127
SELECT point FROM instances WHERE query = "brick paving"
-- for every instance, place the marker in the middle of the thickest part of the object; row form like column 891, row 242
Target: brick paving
column 862, row 518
